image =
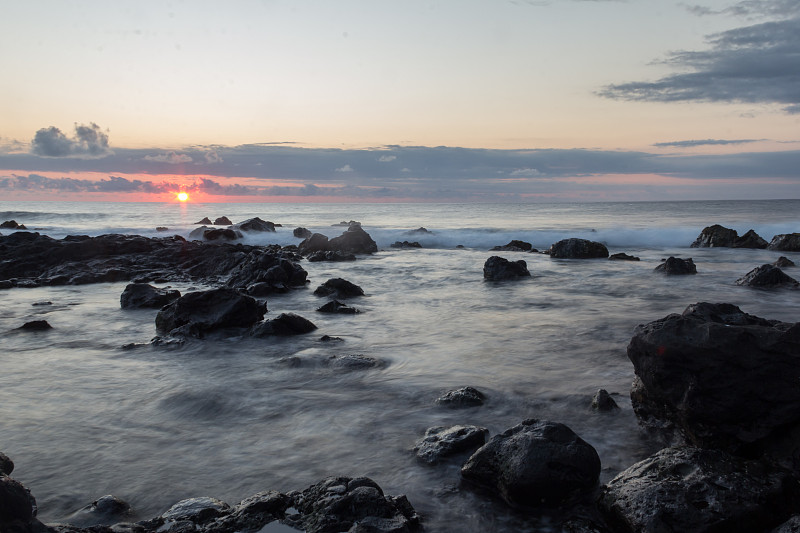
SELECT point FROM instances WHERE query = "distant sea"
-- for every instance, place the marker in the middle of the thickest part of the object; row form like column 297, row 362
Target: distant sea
column 228, row 417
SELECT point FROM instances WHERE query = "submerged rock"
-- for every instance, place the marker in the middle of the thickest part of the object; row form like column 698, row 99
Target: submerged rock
column 463, row 397
column 255, row 225
column 222, row 221
column 767, row 276
column 339, row 288
column 602, row 401
column 537, row 463
column 210, row 310
column 406, row 244
column 440, row 442
column 783, row 262
column 329, row 255
column 106, row 510
column 787, row 242
column 36, row 325
column 724, row 378
column 514, row 246
column 498, row 268
column 623, row 257
column 353, row 362
column 690, row 490
column 143, row 295
column 283, row 325
column 578, row 249
column 419, row 231
column 675, row 266
column 335, row 306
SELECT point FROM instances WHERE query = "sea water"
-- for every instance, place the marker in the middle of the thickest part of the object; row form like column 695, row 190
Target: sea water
column 229, row 416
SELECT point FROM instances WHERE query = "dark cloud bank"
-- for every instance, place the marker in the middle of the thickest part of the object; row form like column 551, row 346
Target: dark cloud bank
column 87, row 141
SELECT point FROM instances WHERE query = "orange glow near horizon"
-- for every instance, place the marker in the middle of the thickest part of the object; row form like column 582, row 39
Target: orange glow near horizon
column 182, row 196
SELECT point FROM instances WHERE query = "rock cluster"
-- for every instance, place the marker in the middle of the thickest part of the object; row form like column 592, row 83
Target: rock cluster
column 720, row 236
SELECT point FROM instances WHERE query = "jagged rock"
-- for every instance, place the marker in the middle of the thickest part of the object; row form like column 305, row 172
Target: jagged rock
column 142, row 295
column 787, row 242
column 11, row 224
column 751, row 239
column 623, row 257
column 106, row 510
column 578, row 249
column 285, row 324
column 440, row 442
column 222, row 221
column 266, row 273
column 691, row 490
column 17, row 505
column 767, row 276
column 252, row 514
column 353, row 362
column 317, row 242
column 514, row 246
column 790, row 526
column 405, row 244
column 419, row 231
column 255, row 224
column 339, row 288
column 196, row 510
column 715, row 236
column 209, row 310
column 302, row 233
column 724, row 378
column 36, row 325
column 602, row 401
column 354, row 241
column 329, row 255
column 335, row 306
column 352, row 504
column 783, row 262
column 498, row 268
column 463, row 397
column 205, row 220
column 537, row 463
column 221, row 234
column 675, row 266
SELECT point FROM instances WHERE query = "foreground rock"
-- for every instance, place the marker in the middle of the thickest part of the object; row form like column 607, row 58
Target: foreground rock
column 688, row 490
column 498, row 268
column 441, row 442
column 724, row 378
column 17, row 507
column 578, row 249
column 143, row 295
column 6, row 464
column 197, row 313
column 675, row 266
column 787, row 242
column 339, row 288
column 537, row 463
column 284, row 325
column 353, row 241
column 720, row 236
column 463, row 397
column 767, row 276
column 105, row 510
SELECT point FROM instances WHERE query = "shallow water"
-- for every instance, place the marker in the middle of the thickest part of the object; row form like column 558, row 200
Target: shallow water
column 230, row 416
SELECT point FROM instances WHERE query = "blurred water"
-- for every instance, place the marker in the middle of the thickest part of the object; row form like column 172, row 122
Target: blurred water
column 230, row 416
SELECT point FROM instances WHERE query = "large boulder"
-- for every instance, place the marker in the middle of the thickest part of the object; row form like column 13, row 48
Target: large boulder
column 787, row 242
column 536, row 463
column 143, row 295
column 255, row 225
column 265, row 273
column 578, row 249
column 316, row 242
column 209, row 310
column 460, row 398
column 339, row 288
column 691, row 490
column 441, row 442
column 498, row 268
column 676, row 266
column 767, row 276
column 751, row 239
column 715, row 236
column 354, row 241
column 723, row 377
column 352, row 504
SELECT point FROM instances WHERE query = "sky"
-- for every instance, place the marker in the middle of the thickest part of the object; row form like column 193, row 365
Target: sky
column 390, row 101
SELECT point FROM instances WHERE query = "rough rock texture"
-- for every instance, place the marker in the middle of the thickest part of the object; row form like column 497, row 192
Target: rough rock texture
column 339, row 288
column 602, row 401
column 353, row 361
column 252, row 514
column 30, row 259
column 440, row 442
column 283, row 325
column 205, row 220
column 329, row 255
column 767, row 276
column 535, row 463
column 787, row 242
column 353, row 241
column 317, row 242
column 205, row 311
column 352, row 504
column 691, row 490
column 143, row 295
column 715, row 236
column 463, row 397
column 255, row 225
column 621, row 256
column 6, row 464
column 106, row 510
column 725, row 378
column 498, row 268
column 578, row 249
column 17, row 505
column 514, row 246
column 405, row 244
column 751, row 239
column 783, row 262
column 222, row 221
column 335, row 306
column 675, row 266
column 221, row 234
column 301, row 233
column 36, row 325
column 265, row 274
column 790, row 526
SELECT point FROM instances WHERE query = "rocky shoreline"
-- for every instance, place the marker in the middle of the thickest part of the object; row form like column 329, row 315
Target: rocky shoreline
column 716, row 382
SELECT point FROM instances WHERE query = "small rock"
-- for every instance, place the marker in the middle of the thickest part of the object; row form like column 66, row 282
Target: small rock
column 204, row 221
column 578, row 249
column 285, row 324
column 514, row 246
column 440, row 442
column 787, row 242
column 602, row 401
column 498, row 268
column 302, row 233
column 623, row 257
column 36, row 325
column 255, row 224
column 328, row 338
column 339, row 288
column 42, row 303
column 222, row 221
column 463, row 397
column 161, row 229
column 335, row 306
column 11, row 224
column 106, row 510
column 419, row 231
column 675, row 266
column 767, row 276
column 6, row 464
column 405, row 244
column 783, row 262
column 142, row 295
column 353, row 362
column 197, row 510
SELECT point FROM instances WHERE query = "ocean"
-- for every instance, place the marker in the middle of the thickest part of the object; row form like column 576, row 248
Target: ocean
column 228, row 416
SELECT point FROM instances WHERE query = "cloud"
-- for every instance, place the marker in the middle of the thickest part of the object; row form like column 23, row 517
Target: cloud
column 387, row 158
column 170, row 158
column 751, row 64
column 526, row 172
column 87, row 142
column 346, row 168
column 36, row 182
column 704, row 142
column 750, row 8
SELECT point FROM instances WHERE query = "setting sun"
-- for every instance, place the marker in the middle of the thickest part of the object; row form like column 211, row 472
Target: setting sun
column 182, row 196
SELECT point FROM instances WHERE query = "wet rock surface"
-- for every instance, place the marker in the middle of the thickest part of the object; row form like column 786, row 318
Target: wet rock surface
column 787, row 242
column 578, row 249
column 442, row 442
column 35, row 325
column 222, row 221
column 767, row 276
column 621, row 256
column 724, row 378
column 676, row 266
column 690, row 490
column 335, row 306
column 203, row 311
column 143, row 295
column 602, row 401
column 537, row 463
column 254, row 225
column 284, row 325
column 514, row 246
column 783, row 262
column 463, row 397
column 353, row 241
column 405, row 244
column 106, row 510
column 339, row 288
column 498, row 268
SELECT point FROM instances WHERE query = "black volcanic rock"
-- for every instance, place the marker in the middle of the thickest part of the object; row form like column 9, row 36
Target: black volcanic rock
column 715, row 236
column 302, row 233
column 339, row 288
column 498, row 268
column 463, row 397
column 602, row 401
column 537, row 463
column 405, row 244
column 143, row 295
column 751, row 239
column 225, row 234
column 783, row 262
column 724, row 378
column 204, row 221
column 11, row 224
column 767, row 276
column 222, row 221
column 285, row 324
column 514, row 246
column 317, row 242
column 578, row 249
column 787, row 242
column 675, row 266
column 441, row 442
column 106, row 510
column 622, row 257
column 6, row 464
column 354, row 241
column 255, row 225
column 335, row 306
column 36, row 325
column 209, row 310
